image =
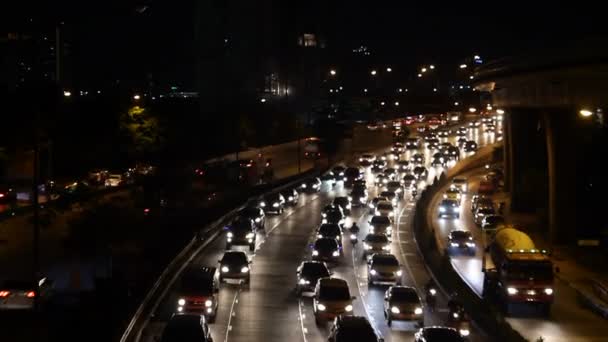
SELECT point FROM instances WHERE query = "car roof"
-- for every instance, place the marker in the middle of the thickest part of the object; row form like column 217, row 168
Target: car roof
column 333, row 282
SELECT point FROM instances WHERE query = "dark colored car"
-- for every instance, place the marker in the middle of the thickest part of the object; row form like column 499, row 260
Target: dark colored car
column 359, row 197
column 470, row 146
column 241, row 232
column 402, row 303
column 7, row 194
column 255, row 214
column 438, row 334
column 273, row 203
column 353, row 328
column 291, row 196
column 450, row 208
column 334, row 216
column 235, row 265
column 330, row 230
column 417, row 159
column 383, row 268
column 308, row 273
column 452, row 153
column 197, row 292
column 311, row 185
column 420, row 172
column 186, row 328
column 344, row 203
column 326, row 249
column 461, row 241
column 351, row 174
column 338, row 172
column 381, row 224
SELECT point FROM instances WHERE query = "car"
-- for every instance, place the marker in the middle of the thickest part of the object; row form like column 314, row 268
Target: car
column 410, row 181
column 308, row 273
column 254, row 213
column 235, row 265
column 330, row 230
column 241, row 232
column 381, row 179
column 353, row 328
column 389, row 156
column 430, row 137
column 474, row 124
column 18, row 295
column 403, row 166
column 383, row 268
column 450, row 208
column 481, row 212
column 417, row 159
column 438, row 162
column 390, row 173
column 291, row 196
column 197, row 292
column 420, row 172
column 381, row 224
column 396, row 187
column 333, row 216
column 338, row 172
column 273, row 203
column 186, row 328
column 377, row 169
column 492, row 222
column 390, row 196
column 432, row 144
column 422, row 128
column 332, row 298
column 380, row 163
column 376, row 243
column 461, row 241
column 360, row 184
column 402, row 303
column 412, row 144
column 470, row 146
column 453, row 193
column 344, row 203
column 385, row 208
column 444, row 146
column 351, row 174
column 443, row 134
column 7, row 194
column 461, row 141
column 460, row 183
column 76, row 191
column 326, row 249
column 438, row 334
column 114, row 180
column 368, row 159
column 374, row 203
column 311, row 185
column 480, row 201
column 451, row 153
column 359, row 197
column 489, row 128
column 328, row 178
column 398, row 147
column 461, row 134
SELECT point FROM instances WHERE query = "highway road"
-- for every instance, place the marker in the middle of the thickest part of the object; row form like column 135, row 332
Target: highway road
column 568, row 320
column 269, row 310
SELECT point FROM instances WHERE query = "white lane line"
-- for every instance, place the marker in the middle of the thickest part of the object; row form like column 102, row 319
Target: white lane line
column 367, row 311
column 232, row 314
column 405, row 262
column 304, row 330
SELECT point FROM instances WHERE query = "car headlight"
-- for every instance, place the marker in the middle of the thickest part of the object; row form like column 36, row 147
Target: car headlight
column 384, row 181
column 348, row 308
column 229, row 235
column 341, row 173
column 181, row 302
column 341, row 221
column 245, row 269
column 360, row 159
column 464, row 332
column 398, row 190
column 455, row 315
column 445, row 196
column 350, row 198
column 304, row 186
column 225, row 269
column 250, row 236
column 323, row 221
column 389, row 229
column 371, row 205
column 262, row 204
column 362, row 199
column 433, row 292
column 315, row 252
column 512, row 291
column 348, row 206
column 321, row 307
column 208, row 303
column 335, row 254
column 391, row 213
column 290, row 198
column 471, row 244
column 395, row 310
column 549, row 291
column 275, row 205
column 345, row 179
column 366, row 246
column 353, row 236
column 386, row 248
column 418, row 311
column 453, row 244
column 324, row 214
column 373, row 272
column 319, row 236
column 304, row 282
column 399, row 273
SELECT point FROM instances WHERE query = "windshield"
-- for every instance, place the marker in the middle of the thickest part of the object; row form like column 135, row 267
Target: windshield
column 359, row 334
column 460, row 235
column 197, row 284
column 341, row 200
column 387, row 194
column 329, row 230
column 376, row 238
column 326, row 244
column 486, row 211
column 385, row 206
column 442, row 334
column 409, row 296
column 382, row 260
column 529, row 270
column 234, row 258
column 334, row 293
column 315, row 270
column 394, row 184
column 492, row 220
column 351, row 172
column 251, row 212
column 380, row 220
column 241, row 224
column 449, row 203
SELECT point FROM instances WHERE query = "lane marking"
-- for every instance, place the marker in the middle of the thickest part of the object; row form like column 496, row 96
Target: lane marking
column 302, row 317
column 403, row 255
column 232, row 314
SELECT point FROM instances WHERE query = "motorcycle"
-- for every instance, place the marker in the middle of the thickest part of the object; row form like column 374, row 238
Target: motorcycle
column 353, row 239
column 458, row 320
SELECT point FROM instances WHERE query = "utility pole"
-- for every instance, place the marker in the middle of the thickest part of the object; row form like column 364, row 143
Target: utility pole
column 36, row 235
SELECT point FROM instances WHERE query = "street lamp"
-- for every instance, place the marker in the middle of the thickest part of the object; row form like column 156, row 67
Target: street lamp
column 373, row 72
column 585, row 113
column 472, row 110
column 262, row 100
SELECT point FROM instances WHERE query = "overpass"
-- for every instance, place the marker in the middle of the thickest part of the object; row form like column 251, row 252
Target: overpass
column 553, row 101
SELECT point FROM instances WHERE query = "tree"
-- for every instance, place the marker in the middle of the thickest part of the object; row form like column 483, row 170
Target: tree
column 144, row 131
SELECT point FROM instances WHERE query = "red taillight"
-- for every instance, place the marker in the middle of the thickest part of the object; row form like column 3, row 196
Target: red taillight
column 147, row 210
column 1, row 195
column 4, row 294
column 30, row 294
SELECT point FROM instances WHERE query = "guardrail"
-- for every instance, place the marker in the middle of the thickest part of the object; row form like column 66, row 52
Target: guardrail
column 199, row 242
column 483, row 312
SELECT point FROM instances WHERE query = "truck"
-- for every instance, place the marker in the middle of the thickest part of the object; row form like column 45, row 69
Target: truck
column 313, row 148
column 516, row 272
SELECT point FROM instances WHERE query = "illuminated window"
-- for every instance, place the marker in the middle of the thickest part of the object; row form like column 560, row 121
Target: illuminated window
column 307, row 40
